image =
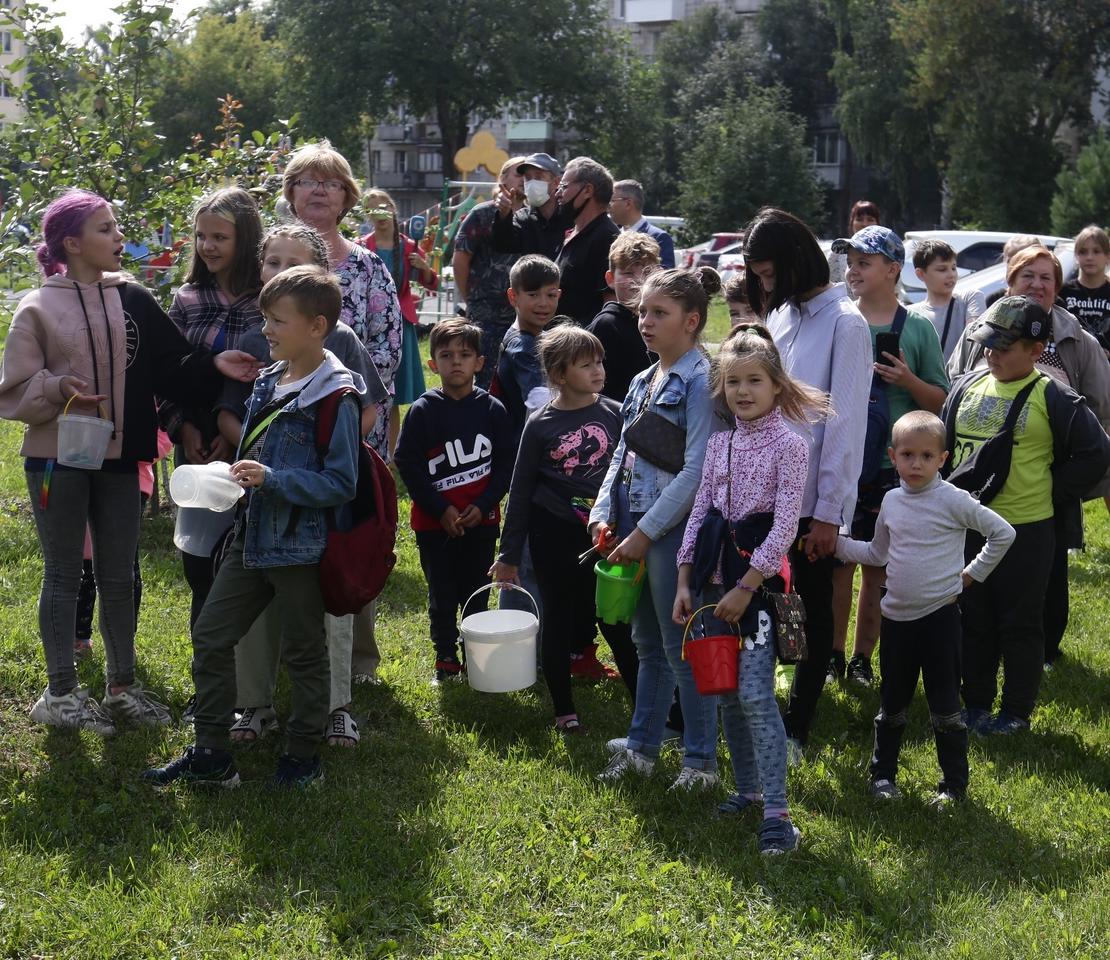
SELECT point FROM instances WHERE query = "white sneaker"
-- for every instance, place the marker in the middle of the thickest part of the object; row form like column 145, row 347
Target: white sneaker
column 671, row 738
column 690, row 779
column 75, row 709
column 624, row 763
column 795, row 753
column 135, row 706
column 616, row 745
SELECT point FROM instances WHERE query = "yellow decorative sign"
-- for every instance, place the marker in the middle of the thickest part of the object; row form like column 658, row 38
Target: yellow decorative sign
column 482, row 151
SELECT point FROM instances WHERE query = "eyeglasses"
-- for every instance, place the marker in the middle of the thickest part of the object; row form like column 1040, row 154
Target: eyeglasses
column 331, row 186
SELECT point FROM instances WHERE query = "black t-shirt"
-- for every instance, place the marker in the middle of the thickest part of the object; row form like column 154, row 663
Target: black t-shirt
column 1090, row 306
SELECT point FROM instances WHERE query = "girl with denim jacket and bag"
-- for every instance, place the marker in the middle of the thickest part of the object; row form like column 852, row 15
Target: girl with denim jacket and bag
column 744, row 519
column 645, row 498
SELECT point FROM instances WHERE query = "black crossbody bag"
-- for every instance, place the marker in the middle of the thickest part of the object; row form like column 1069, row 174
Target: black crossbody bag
column 652, row 436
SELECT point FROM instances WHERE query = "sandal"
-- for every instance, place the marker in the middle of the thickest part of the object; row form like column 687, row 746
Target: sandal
column 342, row 729
column 253, row 725
column 570, row 725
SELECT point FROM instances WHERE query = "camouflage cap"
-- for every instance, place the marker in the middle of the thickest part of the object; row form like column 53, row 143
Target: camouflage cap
column 873, row 239
column 1012, row 319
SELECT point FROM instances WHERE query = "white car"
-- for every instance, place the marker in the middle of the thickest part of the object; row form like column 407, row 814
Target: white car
column 976, row 250
column 992, row 280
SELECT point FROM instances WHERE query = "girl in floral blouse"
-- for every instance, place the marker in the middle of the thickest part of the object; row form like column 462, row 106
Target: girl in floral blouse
column 744, row 518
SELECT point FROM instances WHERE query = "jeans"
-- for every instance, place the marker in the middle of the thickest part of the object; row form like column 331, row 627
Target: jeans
column 752, row 723
column 568, row 592
column 109, row 504
column 454, row 567
column 237, row 599
column 813, row 580
column 929, row 647
column 658, row 642
column 1003, row 621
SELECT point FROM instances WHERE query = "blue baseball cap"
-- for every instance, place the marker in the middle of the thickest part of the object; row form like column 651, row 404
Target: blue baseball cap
column 873, row 239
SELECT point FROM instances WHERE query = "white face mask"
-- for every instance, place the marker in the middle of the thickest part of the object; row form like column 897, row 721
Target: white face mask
column 536, row 192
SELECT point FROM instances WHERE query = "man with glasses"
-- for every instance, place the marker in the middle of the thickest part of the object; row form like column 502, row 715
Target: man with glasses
column 627, row 211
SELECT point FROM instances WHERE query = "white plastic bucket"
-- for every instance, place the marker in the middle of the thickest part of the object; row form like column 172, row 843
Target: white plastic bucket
column 500, row 645
column 82, row 441
column 207, row 485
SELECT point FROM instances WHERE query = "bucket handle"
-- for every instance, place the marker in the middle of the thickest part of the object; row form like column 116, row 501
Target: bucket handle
column 99, row 407
column 690, row 622
column 639, row 571
column 505, row 585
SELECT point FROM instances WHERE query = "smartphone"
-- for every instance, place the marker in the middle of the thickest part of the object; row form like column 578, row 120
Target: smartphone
column 885, row 343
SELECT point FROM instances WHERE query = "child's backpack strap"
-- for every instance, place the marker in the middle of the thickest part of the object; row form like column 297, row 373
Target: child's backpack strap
column 327, row 413
column 952, row 403
column 899, row 320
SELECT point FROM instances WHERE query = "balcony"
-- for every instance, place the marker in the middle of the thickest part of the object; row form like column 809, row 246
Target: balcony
column 408, row 180
column 653, row 11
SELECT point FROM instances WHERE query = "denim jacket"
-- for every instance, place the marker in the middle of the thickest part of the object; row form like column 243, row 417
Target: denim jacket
column 663, row 498
column 286, row 517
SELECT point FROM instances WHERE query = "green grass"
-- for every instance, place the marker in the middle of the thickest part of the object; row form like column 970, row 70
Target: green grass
column 463, row 826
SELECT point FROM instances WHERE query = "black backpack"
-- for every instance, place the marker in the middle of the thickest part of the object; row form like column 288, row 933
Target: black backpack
column 878, row 418
column 984, row 472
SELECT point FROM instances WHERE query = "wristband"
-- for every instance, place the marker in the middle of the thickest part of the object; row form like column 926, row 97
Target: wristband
column 744, row 586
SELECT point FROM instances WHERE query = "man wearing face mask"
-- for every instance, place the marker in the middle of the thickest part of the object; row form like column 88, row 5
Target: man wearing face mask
column 538, row 226
column 584, row 195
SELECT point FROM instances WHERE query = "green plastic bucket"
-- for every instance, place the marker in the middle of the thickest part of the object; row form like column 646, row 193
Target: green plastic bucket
column 618, row 590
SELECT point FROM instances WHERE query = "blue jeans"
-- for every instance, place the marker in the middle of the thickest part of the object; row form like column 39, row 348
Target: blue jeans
column 753, row 725
column 658, row 642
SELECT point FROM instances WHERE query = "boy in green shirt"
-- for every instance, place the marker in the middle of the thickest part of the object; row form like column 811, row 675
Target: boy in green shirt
column 1059, row 451
column 912, row 378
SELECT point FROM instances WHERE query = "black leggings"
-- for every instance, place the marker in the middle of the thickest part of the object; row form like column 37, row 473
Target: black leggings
column 570, row 620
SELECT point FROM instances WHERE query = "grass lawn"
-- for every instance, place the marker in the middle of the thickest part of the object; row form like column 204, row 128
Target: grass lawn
column 463, row 826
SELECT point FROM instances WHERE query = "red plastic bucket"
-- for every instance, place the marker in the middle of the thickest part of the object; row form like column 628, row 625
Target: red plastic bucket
column 714, row 660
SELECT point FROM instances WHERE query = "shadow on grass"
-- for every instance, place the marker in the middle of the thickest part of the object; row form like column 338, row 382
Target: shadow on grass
column 324, row 844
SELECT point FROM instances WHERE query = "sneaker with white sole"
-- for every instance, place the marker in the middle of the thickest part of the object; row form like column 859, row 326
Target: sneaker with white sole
column 616, row 745
column 134, row 705
column 778, row 835
column 690, row 780
column 624, row 763
column 885, row 790
column 76, row 710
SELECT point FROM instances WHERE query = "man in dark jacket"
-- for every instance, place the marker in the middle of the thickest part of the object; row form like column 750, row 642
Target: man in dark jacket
column 539, row 226
column 584, row 195
column 627, row 211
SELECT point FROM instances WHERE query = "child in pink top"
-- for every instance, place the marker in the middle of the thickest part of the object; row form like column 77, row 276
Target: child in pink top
column 743, row 521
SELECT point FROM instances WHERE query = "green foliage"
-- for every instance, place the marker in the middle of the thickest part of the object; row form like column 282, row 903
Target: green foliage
column 997, row 106
column 747, row 154
column 798, row 43
column 222, row 55
column 352, row 62
column 1083, row 194
column 97, row 134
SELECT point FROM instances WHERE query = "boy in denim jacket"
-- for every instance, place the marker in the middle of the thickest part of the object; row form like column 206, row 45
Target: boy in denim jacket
column 279, row 538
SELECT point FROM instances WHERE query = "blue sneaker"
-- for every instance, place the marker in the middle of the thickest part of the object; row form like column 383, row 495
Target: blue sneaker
column 197, row 766
column 778, row 836
column 1003, row 724
column 296, row 772
column 735, row 805
column 976, row 721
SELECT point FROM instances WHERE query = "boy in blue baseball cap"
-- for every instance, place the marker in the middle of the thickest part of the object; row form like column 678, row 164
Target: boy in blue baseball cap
column 909, row 375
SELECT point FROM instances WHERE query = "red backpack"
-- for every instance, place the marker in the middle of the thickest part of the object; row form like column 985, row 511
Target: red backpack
column 357, row 561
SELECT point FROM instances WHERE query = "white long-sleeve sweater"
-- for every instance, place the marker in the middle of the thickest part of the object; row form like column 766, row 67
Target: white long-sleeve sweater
column 919, row 537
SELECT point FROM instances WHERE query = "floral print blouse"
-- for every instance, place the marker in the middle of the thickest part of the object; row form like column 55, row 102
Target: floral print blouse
column 372, row 310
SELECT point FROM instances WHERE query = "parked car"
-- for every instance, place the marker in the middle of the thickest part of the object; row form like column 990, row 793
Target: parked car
column 684, row 259
column 976, row 250
column 718, row 243
column 992, row 280
column 730, row 264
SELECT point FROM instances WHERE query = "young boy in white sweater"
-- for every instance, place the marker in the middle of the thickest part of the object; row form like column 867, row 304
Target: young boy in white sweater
column 919, row 536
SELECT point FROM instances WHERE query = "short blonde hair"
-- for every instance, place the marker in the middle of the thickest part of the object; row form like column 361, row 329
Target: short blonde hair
column 329, row 163
column 633, row 249
column 1025, row 256
column 919, row 421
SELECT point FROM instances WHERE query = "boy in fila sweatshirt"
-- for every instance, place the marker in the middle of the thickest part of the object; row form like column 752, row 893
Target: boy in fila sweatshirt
column 455, row 454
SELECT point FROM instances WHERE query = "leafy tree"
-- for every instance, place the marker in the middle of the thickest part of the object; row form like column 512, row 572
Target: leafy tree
column 998, row 106
column 750, row 152
column 223, row 54
column 884, row 125
column 96, row 133
column 798, row 58
column 353, row 61
column 1083, row 194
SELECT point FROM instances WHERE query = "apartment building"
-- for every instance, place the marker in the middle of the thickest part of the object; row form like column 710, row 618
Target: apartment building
column 12, row 49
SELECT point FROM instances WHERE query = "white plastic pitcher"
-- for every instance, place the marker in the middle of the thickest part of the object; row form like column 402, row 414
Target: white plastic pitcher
column 500, row 645
column 82, row 441
column 206, row 485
